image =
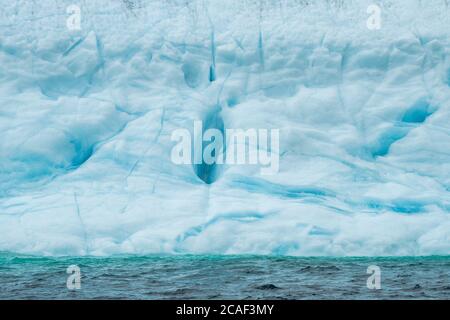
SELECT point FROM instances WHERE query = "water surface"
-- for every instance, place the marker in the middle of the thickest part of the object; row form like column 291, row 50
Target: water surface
column 223, row 277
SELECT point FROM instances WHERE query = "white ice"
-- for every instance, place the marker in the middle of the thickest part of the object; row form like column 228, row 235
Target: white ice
column 86, row 119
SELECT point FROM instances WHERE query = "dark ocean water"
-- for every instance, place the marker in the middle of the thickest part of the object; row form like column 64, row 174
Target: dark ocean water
column 223, row 277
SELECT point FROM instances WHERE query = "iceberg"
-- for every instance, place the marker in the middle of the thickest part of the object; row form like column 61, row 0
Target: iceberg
column 92, row 91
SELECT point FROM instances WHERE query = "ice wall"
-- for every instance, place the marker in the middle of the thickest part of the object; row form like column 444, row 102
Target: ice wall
column 86, row 118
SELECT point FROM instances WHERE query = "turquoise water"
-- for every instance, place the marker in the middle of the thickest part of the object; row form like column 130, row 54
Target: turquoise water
column 223, row 277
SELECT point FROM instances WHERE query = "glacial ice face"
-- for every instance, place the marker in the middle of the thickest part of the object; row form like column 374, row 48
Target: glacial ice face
column 86, row 119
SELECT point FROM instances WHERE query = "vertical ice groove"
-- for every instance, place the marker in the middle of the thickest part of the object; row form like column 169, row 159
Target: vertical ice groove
column 82, row 225
column 209, row 173
column 212, row 69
